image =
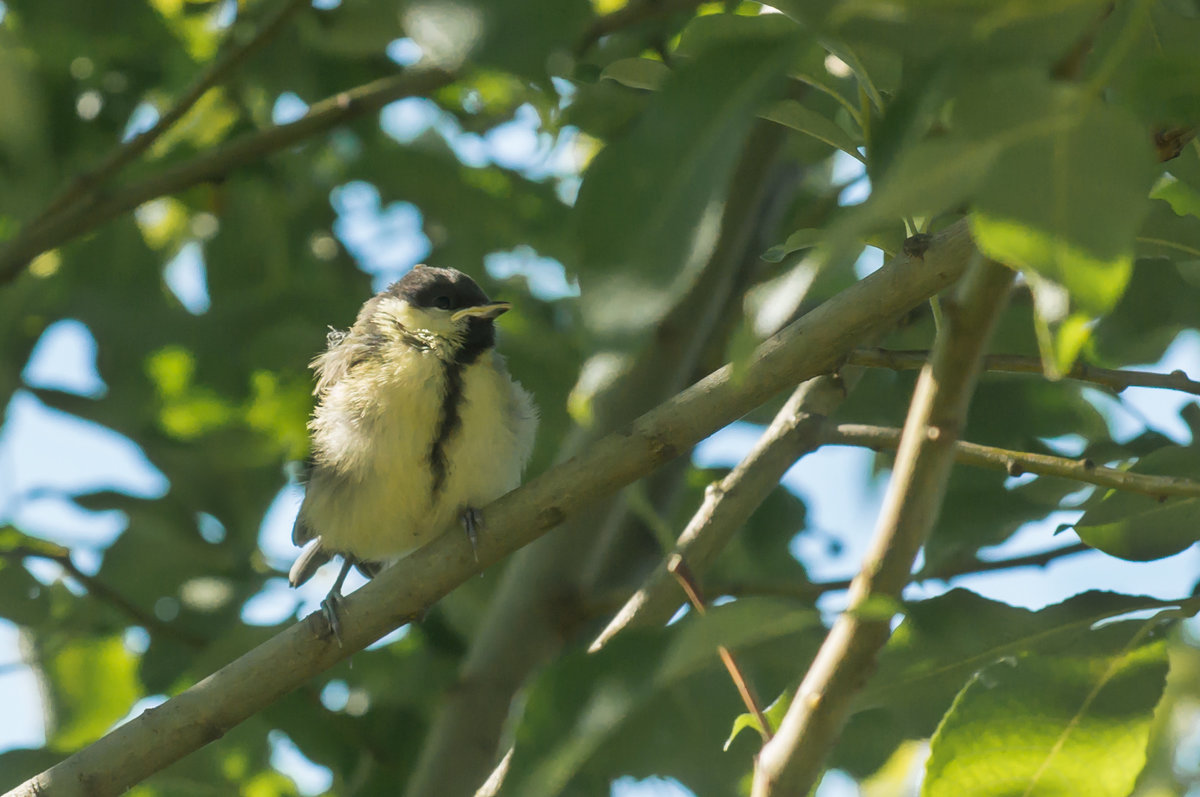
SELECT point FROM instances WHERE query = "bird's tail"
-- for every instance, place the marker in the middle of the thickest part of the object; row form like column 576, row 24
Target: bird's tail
column 311, row 558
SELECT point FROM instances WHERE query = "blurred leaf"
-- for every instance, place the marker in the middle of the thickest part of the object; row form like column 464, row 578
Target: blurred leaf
column 1044, row 209
column 453, row 33
column 1055, row 724
column 648, row 212
column 638, row 73
column 793, row 114
column 733, row 625
column 1170, row 234
column 92, row 683
column 800, row 239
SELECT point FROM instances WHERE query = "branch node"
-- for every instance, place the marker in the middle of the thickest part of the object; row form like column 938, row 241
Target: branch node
column 1014, row 468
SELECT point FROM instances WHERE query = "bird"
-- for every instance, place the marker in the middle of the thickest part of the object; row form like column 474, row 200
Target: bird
column 417, row 422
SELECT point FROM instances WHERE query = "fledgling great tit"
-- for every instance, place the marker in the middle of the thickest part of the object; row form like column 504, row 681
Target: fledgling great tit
column 417, row 423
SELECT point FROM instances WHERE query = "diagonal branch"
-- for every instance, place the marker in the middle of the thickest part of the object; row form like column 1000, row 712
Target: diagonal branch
column 791, row 763
column 1113, row 378
column 203, row 713
column 796, row 430
column 217, row 163
column 81, row 189
column 1017, row 462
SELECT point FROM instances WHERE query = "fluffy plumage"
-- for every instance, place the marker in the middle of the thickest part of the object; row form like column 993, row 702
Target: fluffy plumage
column 417, row 422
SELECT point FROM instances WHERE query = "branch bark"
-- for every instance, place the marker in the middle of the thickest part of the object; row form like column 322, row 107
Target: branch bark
column 796, row 430
column 203, row 713
column 791, row 763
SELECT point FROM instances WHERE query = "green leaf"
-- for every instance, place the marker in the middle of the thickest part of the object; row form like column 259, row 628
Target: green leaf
column 1143, row 527
column 1169, row 233
column 773, row 713
column 793, row 114
column 926, row 179
column 1065, row 724
column 741, row 623
column 648, row 212
column 638, row 73
column 800, row 239
column 942, row 643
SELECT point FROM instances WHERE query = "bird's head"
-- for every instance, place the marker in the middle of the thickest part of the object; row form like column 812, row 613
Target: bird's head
column 442, row 308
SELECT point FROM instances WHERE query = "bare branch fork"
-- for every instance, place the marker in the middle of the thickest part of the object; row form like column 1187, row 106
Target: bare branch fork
column 812, row 345
column 793, row 760
column 796, row 430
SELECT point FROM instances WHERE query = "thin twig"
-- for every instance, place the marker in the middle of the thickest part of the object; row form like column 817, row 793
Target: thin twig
column 218, row 162
column 1016, row 463
column 81, row 189
column 687, row 580
column 101, row 591
column 1114, row 379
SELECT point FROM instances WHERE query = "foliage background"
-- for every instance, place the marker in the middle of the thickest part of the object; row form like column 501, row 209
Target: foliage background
column 635, row 156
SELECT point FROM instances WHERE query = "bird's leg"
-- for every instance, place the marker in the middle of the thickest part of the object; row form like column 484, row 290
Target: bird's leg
column 472, row 521
column 330, row 606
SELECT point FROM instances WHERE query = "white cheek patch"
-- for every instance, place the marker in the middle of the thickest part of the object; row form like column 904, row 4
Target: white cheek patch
column 417, row 320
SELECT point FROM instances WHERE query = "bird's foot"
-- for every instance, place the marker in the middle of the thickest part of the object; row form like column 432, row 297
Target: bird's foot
column 472, row 521
column 330, row 608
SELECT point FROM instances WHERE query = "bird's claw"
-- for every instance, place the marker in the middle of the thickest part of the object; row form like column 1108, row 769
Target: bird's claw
column 330, row 608
column 472, row 521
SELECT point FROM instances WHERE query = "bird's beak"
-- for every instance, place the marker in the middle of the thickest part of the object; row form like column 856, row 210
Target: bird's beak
column 482, row 311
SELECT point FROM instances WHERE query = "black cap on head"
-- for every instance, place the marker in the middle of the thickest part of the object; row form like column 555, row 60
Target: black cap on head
column 442, row 288
column 449, row 289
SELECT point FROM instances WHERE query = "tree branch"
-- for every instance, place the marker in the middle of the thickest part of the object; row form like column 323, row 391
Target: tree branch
column 216, row 163
column 80, row 190
column 203, row 713
column 796, row 430
column 791, row 762
column 1017, row 462
column 1114, row 379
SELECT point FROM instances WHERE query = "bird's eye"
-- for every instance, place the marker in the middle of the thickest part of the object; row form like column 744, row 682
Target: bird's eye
column 442, row 302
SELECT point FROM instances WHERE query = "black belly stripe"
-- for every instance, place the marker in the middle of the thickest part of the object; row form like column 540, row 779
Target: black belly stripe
column 451, row 419
column 479, row 338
